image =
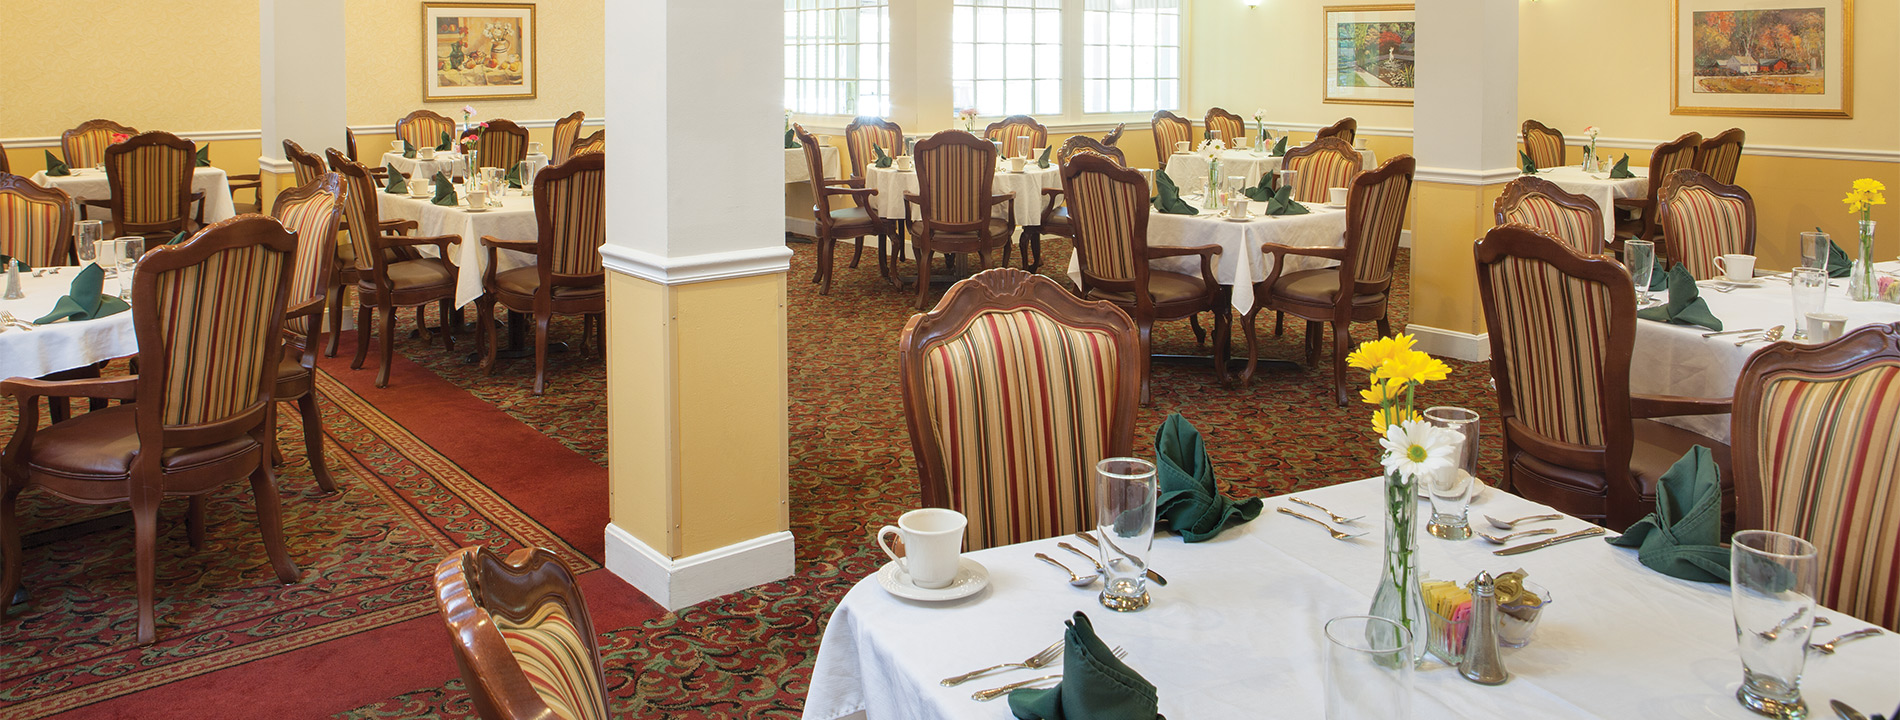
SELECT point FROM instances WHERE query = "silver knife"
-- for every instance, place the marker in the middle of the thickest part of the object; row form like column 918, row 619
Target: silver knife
column 1541, row 544
column 1846, row 713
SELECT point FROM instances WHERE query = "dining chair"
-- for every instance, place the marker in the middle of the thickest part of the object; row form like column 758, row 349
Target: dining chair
column 839, row 223
column 424, row 128
column 307, row 165
column 1562, row 325
column 197, row 416
column 1637, row 219
column 1326, row 163
column 861, row 134
column 596, row 142
column 956, row 210
column 1055, row 208
column 1109, row 203
column 1539, row 203
column 309, row 168
column 1544, row 144
column 1721, row 156
column 312, row 212
column 349, row 151
column 5, row 165
column 1375, row 215
column 85, row 146
column 1346, row 129
column 1115, row 136
column 1817, row 449
column 1229, row 125
column 385, row 282
column 522, row 637
column 36, row 223
column 1013, row 390
column 502, row 144
column 150, row 180
column 567, row 131
column 567, row 278
column 1009, row 129
column 1168, row 129
column 253, row 182
column 1702, row 219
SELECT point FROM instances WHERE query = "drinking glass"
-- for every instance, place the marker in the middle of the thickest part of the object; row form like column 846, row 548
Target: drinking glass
column 1125, row 496
column 1814, row 249
column 1810, row 296
column 1369, row 669
column 1291, row 178
column 1772, row 578
column 86, row 235
column 107, row 255
column 1022, row 146
column 1641, row 256
column 1450, row 489
column 130, row 250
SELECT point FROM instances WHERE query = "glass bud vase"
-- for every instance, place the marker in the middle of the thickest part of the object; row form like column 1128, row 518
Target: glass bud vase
column 1398, row 597
column 1862, row 284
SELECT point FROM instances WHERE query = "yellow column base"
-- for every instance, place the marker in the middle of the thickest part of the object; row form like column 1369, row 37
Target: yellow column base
column 1447, row 315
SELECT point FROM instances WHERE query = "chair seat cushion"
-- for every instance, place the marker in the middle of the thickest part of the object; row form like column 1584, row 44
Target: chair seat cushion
column 417, row 274
column 292, row 379
column 100, row 445
column 1317, row 287
column 1657, row 446
column 1163, row 287
column 1058, row 218
column 527, row 280
column 999, row 228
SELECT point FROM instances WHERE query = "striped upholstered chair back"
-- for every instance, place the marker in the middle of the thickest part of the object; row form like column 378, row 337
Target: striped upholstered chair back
column 1375, row 216
column 1817, row 450
column 1702, row 219
column 424, row 128
column 862, row 133
column 502, row 144
column 1083, row 144
column 85, row 146
column 1108, row 206
column 567, row 131
column 1539, row 203
column 1010, row 131
column 1544, row 144
column 570, row 207
column 1323, row 164
column 955, row 171
column 522, row 636
column 595, row 143
column 36, row 223
column 150, row 177
column 307, row 164
column 360, row 211
column 1013, row 389
column 1229, row 125
column 1346, row 129
column 1721, row 156
column 1168, row 129
column 312, row 211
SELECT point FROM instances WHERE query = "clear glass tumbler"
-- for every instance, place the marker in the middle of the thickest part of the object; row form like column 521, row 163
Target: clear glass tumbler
column 86, row 236
column 1125, row 496
column 1771, row 581
column 1640, row 256
column 1023, row 144
column 130, row 250
column 1452, row 488
column 1810, row 296
column 1815, row 247
column 107, row 255
column 1369, row 669
column 1291, row 178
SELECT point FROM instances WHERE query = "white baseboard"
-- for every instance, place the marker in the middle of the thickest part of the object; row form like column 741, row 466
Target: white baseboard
column 1451, row 343
column 680, row 583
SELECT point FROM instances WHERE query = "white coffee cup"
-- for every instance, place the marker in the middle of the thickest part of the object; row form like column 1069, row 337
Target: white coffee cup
column 1240, row 143
column 933, row 545
column 1237, row 206
column 1823, row 327
column 1017, row 164
column 905, row 163
column 534, row 148
column 477, row 198
column 420, row 187
column 1736, row 267
column 427, row 153
column 1036, row 154
column 1337, row 196
column 1183, row 146
column 395, row 146
column 1358, row 143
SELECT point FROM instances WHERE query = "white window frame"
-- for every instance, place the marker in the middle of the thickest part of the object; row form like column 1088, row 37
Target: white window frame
column 807, row 64
column 1028, row 23
column 1073, row 116
column 1154, row 75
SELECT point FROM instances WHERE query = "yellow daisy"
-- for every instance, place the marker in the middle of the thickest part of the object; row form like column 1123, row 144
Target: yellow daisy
column 1372, row 354
column 1413, row 367
column 1380, row 421
column 1382, row 391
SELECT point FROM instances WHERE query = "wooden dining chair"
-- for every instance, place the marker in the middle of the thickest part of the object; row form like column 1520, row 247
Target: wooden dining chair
column 424, row 128
column 521, row 634
column 1721, row 156
column 386, row 282
column 1702, row 219
column 567, row 131
column 1013, row 390
column 1544, row 144
column 1055, row 208
column 36, row 223
column 860, row 135
column 1168, row 129
column 502, row 144
column 1562, row 325
column 841, row 223
column 349, row 151
column 1539, row 203
column 1109, row 203
column 1636, row 218
column 1324, row 164
column 313, row 212
column 1356, row 290
column 197, row 416
column 596, row 142
column 1346, row 129
column 5, row 165
column 1817, row 449
column 1229, row 125
column 567, row 278
column 1009, row 130
column 85, row 146
column 956, row 211
column 307, row 165
column 150, row 179
column 1115, row 136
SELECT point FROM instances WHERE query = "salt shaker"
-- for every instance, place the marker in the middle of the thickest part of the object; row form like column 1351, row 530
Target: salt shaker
column 13, row 281
column 1482, row 664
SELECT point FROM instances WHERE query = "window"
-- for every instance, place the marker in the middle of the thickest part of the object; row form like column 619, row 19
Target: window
column 1131, row 55
column 1006, row 56
column 838, row 57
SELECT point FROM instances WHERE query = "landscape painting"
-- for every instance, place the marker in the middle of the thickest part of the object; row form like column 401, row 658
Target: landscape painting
column 1369, row 54
column 1763, row 57
column 477, row 51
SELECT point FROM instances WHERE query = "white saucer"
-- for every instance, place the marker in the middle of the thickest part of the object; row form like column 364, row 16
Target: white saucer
column 477, row 209
column 1752, row 283
column 1331, row 206
column 1230, row 218
column 1476, row 497
column 971, row 578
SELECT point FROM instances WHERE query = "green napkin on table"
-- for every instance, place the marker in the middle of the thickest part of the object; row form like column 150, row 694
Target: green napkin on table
column 882, row 160
column 1168, row 197
column 1838, row 264
column 396, row 184
column 6, row 260
column 83, row 301
column 1525, row 164
column 1279, row 147
column 408, row 150
column 1043, row 162
column 204, row 156
column 1263, row 191
column 445, row 192
column 1685, row 306
column 1683, row 537
column 791, row 140
column 1190, row 502
column 1658, row 275
column 1621, row 171
column 513, row 176
column 1095, row 684
column 56, row 167
column 1284, row 204
column 448, row 142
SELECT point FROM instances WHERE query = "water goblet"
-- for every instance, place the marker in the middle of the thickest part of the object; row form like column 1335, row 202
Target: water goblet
column 1772, row 583
column 1451, row 489
column 1641, row 256
column 86, row 236
column 1810, row 296
column 131, row 249
column 1815, row 247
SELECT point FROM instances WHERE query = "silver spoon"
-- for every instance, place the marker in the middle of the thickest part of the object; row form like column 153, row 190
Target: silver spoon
column 1074, row 579
column 1336, row 518
column 1770, row 335
column 1512, row 524
column 1827, row 648
column 1500, row 540
column 1091, row 558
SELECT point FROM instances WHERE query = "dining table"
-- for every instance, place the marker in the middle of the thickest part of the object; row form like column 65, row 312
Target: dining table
column 91, row 184
column 513, row 220
column 1600, row 188
column 1240, row 263
column 1237, row 631
column 65, row 344
column 453, row 164
column 1189, row 170
column 893, row 184
column 798, row 169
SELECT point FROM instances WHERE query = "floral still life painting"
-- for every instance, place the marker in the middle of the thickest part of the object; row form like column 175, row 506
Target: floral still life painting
column 474, row 51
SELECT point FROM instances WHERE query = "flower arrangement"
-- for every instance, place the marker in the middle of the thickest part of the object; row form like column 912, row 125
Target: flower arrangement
column 1861, row 201
column 1590, row 148
column 471, row 134
column 117, row 138
column 967, row 116
column 1260, row 121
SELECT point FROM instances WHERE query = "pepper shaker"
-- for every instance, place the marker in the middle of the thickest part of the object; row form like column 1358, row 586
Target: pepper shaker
column 1482, row 664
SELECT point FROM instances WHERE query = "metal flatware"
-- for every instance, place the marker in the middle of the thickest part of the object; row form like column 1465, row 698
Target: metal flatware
column 1337, row 535
column 1336, row 518
column 1845, row 711
column 1770, row 335
column 1033, row 662
column 1541, row 544
column 1153, row 576
column 1771, row 633
column 1731, row 332
column 1512, row 524
column 996, row 692
column 1507, row 537
column 1091, row 558
column 1827, row 648
column 1074, row 579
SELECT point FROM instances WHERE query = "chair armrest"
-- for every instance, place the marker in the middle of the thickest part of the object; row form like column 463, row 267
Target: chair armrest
column 1052, row 192
column 1636, row 202
column 313, row 307
column 1207, row 253
column 98, row 203
column 1002, row 197
column 1333, row 253
column 526, row 246
column 389, row 227
column 830, row 190
column 117, row 388
column 1655, row 406
column 441, row 241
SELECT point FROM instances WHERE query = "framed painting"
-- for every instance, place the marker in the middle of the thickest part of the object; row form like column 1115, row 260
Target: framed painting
column 1369, row 50
column 1776, row 58
column 477, row 51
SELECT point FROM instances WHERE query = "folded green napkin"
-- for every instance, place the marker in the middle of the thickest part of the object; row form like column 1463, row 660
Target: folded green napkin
column 1284, row 204
column 408, row 150
column 178, row 239
column 445, row 192
column 882, row 160
column 204, row 156
column 1685, row 306
column 396, row 184
column 1168, row 197
column 1621, row 171
column 1095, row 684
column 1279, row 147
column 1658, row 275
column 83, row 301
column 1043, row 162
column 791, row 140
column 6, row 260
column 1838, row 265
column 448, row 142
column 1263, row 191
column 1190, row 502
column 1525, row 164
column 1683, row 537
column 56, row 167
column 513, row 176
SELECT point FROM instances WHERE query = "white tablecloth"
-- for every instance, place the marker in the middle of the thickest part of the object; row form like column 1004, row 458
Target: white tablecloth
column 454, row 164
column 1677, row 360
column 1189, row 170
column 90, row 184
column 63, row 345
column 797, row 170
column 1237, row 631
column 1240, row 263
column 891, row 186
column 1600, row 188
column 514, row 220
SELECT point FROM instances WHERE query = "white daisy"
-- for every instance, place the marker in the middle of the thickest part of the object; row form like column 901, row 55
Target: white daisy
column 1416, row 448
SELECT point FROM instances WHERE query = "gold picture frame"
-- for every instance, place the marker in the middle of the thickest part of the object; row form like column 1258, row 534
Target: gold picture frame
column 1711, row 76
column 1347, row 74
column 478, row 51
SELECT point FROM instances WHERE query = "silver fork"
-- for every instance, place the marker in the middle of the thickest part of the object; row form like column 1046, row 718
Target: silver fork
column 1034, row 662
column 1337, row 535
column 1336, row 518
column 996, row 692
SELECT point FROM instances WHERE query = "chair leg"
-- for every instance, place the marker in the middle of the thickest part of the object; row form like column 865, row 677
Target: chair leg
column 857, row 251
column 195, row 522
column 818, row 268
column 313, row 440
column 145, row 542
column 389, row 342
column 1253, row 344
column 1223, row 341
column 445, row 313
column 1315, row 332
column 600, row 334
column 1385, row 327
column 1279, row 323
column 485, row 324
column 541, row 352
column 1147, row 358
column 362, row 333
column 827, row 249
column 336, row 320
column 923, row 280
column 1200, row 335
column 270, row 519
column 276, row 452
column 9, row 543
column 1342, row 337
column 884, row 263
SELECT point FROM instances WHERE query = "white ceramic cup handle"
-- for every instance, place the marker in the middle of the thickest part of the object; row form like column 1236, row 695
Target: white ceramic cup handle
column 1720, row 265
column 891, row 530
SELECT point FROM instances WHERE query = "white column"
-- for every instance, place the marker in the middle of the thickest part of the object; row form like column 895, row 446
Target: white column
column 300, row 76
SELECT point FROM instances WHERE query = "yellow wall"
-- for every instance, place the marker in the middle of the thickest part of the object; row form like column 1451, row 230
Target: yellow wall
column 1268, row 57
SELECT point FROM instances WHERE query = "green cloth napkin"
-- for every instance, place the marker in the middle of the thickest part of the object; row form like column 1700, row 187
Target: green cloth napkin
column 408, row 150
column 1525, row 164
column 56, row 167
column 1190, row 502
column 1621, row 171
column 396, row 184
column 1284, row 204
column 6, row 260
column 1168, row 197
column 448, row 142
column 1263, row 191
column 1658, row 275
column 791, row 141
column 1043, row 162
column 83, row 301
column 1095, row 685
column 1685, row 306
column 1838, row 264
column 204, row 156
column 445, row 192
column 882, row 160
column 513, row 176
column 1279, row 147
column 178, row 239
column 1683, row 537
